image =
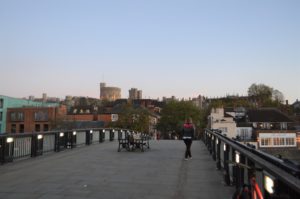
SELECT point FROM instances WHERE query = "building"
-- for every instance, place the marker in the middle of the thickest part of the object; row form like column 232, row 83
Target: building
column 10, row 102
column 92, row 113
column 296, row 109
column 134, row 93
column 272, row 128
column 109, row 93
column 218, row 119
column 170, row 99
column 33, row 119
column 44, row 99
column 296, row 104
column 139, row 94
column 199, row 102
column 269, row 128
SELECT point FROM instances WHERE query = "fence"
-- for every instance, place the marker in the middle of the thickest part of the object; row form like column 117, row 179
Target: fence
column 268, row 176
column 27, row 145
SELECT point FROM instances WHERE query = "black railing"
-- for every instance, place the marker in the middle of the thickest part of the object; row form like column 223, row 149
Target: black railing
column 27, row 145
column 244, row 165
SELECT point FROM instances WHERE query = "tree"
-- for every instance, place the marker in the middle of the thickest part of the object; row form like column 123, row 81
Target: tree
column 265, row 95
column 134, row 118
column 174, row 114
column 278, row 96
column 260, row 90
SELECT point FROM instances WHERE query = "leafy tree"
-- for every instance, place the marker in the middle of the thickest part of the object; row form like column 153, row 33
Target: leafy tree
column 174, row 114
column 260, row 90
column 265, row 95
column 134, row 118
column 278, row 96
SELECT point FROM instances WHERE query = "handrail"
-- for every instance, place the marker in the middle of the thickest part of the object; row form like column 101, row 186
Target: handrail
column 274, row 166
column 20, row 145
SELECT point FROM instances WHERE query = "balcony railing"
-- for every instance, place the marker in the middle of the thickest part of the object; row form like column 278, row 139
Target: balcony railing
column 267, row 175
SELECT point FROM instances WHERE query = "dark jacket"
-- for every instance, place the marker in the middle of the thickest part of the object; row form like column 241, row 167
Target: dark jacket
column 188, row 131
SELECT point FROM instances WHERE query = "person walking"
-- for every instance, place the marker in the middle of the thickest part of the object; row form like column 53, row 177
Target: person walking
column 188, row 132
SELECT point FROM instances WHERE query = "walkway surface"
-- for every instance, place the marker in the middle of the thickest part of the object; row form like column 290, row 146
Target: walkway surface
column 99, row 171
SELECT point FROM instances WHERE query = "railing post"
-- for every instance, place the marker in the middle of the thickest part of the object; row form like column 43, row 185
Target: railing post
column 101, row 133
column 89, row 137
column 242, row 169
column 7, row 151
column 111, row 134
column 234, row 167
column 218, row 156
column 36, row 145
column 56, row 145
column 226, row 164
column 206, row 138
column 213, row 147
column 120, row 134
column 60, row 140
column 68, row 139
column 73, row 139
column 209, row 143
column 2, row 140
column 238, row 170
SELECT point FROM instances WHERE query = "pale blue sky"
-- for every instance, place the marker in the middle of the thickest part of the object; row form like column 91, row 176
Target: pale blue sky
column 164, row 47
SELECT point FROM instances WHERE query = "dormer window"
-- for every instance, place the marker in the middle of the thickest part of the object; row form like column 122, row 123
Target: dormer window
column 75, row 111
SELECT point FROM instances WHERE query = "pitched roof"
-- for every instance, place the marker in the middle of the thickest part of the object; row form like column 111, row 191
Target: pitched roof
column 267, row 115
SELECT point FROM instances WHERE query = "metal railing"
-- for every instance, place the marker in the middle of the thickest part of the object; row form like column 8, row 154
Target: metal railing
column 244, row 165
column 27, row 145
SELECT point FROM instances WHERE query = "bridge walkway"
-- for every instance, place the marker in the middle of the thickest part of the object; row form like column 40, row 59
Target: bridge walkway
column 99, row 171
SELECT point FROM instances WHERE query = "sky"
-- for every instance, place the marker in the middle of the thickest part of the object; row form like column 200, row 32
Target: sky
column 181, row 48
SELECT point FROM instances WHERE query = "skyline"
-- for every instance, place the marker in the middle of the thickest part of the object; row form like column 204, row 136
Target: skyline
column 164, row 48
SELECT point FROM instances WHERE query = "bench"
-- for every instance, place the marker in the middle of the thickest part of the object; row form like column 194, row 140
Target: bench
column 132, row 141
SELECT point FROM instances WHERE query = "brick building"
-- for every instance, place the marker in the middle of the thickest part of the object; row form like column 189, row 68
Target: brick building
column 11, row 102
column 33, row 119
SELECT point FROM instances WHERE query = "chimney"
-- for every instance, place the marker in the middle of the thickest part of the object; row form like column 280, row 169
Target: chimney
column 287, row 102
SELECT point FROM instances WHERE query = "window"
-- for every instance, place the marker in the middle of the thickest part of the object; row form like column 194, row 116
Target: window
column 46, row 127
column 1, row 103
column 278, row 141
column 41, row 116
column 283, row 126
column 290, row 142
column 265, row 126
column 1, row 116
column 223, row 129
column 13, row 128
column 244, row 133
column 16, row 116
column 266, row 141
column 37, row 128
column 21, row 128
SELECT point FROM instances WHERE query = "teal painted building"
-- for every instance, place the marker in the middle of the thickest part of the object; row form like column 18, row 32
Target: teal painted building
column 10, row 102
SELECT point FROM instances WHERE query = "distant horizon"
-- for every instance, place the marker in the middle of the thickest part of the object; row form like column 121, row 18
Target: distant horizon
column 143, row 97
column 164, row 48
